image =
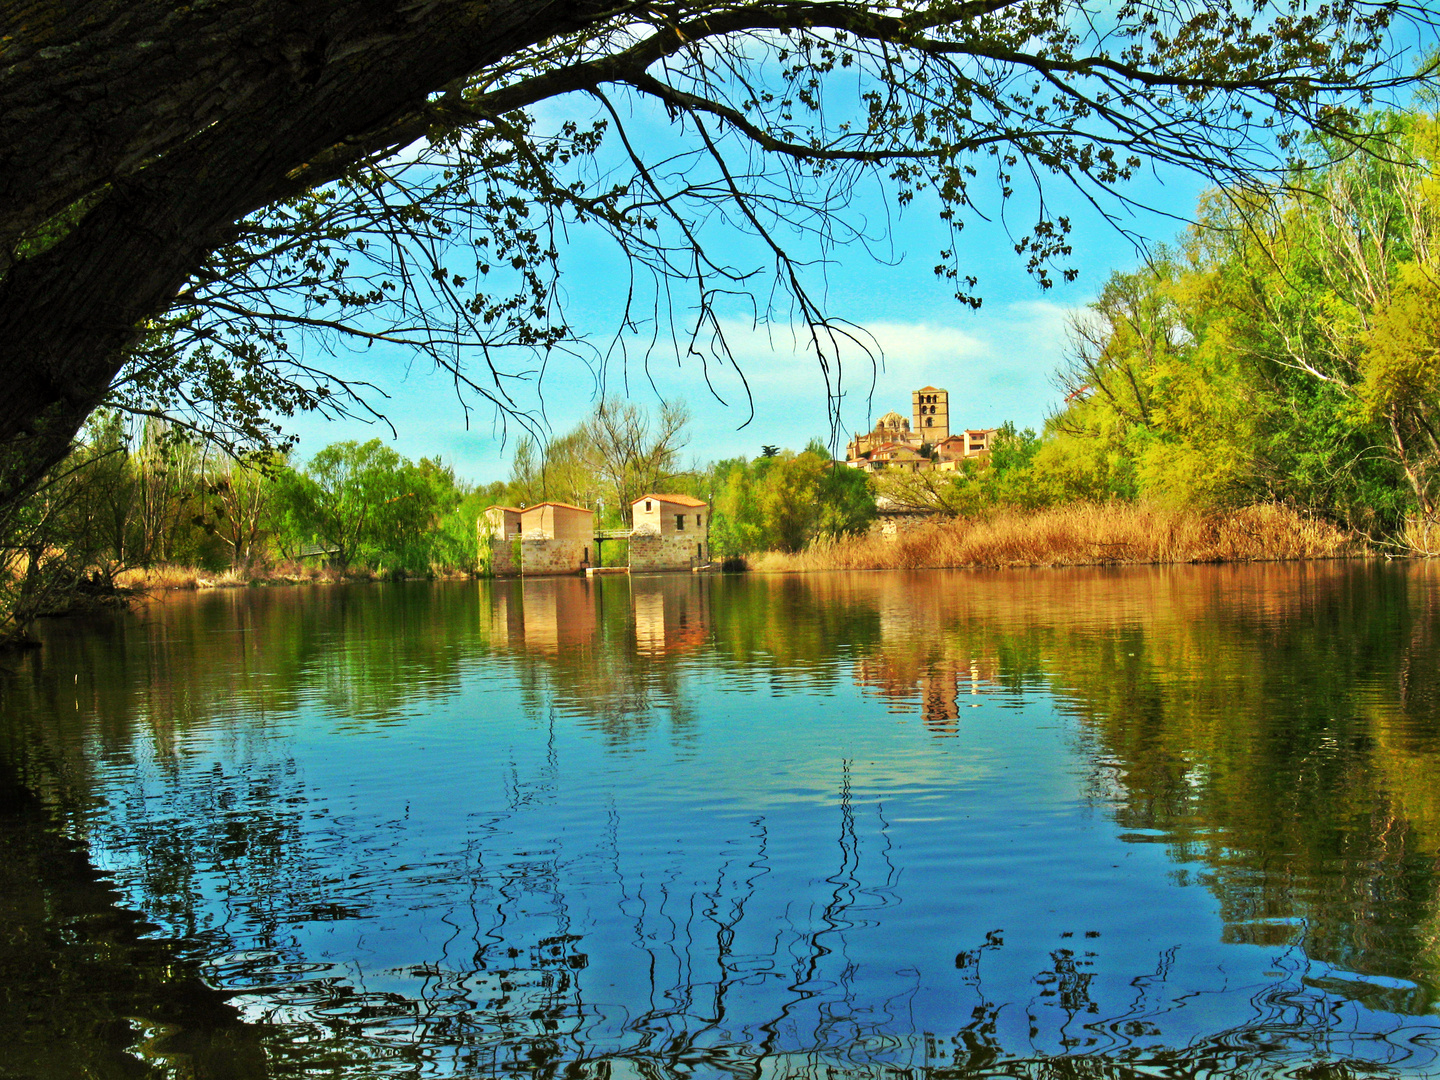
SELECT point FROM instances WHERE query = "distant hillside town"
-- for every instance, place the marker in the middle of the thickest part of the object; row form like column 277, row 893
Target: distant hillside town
column 927, row 443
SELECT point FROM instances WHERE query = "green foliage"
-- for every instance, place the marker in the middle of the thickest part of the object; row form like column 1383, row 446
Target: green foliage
column 784, row 501
column 363, row 502
column 1288, row 350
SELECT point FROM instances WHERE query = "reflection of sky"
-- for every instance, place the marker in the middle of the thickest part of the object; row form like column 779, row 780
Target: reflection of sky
column 799, row 869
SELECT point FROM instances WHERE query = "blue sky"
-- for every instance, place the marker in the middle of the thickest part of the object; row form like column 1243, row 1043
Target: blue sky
column 996, row 362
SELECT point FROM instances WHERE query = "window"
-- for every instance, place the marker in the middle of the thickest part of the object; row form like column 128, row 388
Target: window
column 699, row 520
column 647, row 506
column 680, row 522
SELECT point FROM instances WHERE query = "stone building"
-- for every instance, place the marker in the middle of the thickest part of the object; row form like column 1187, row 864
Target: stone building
column 499, row 529
column 551, row 537
column 556, row 538
column 671, row 532
column 972, row 443
column 931, row 408
column 892, row 428
column 897, row 456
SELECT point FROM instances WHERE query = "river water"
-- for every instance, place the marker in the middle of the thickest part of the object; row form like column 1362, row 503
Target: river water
column 1153, row 821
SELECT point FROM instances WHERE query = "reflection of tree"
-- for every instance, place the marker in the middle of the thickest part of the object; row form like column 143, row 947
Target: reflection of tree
column 83, row 990
column 1277, row 727
column 1274, row 727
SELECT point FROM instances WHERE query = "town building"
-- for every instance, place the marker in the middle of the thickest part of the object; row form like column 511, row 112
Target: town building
column 922, row 443
column 892, row 428
column 899, row 456
column 972, row 443
column 931, row 408
column 671, row 532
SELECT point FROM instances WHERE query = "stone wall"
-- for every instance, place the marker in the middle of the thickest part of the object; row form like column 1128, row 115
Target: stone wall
column 545, row 556
column 502, row 557
column 650, row 552
column 498, row 555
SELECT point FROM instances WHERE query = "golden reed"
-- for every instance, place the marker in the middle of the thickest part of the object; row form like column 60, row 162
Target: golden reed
column 1082, row 534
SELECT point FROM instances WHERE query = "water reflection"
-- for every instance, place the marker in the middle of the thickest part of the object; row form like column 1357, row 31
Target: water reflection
column 1073, row 823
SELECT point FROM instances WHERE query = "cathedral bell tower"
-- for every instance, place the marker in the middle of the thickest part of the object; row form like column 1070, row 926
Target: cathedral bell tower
column 931, row 407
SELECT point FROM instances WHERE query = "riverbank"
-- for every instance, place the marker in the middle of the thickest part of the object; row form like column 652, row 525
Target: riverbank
column 1085, row 534
column 164, row 578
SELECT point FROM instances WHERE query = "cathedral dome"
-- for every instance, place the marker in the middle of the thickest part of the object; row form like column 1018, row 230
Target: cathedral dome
column 893, row 421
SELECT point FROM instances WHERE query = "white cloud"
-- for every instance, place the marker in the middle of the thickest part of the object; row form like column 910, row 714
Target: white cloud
column 997, row 367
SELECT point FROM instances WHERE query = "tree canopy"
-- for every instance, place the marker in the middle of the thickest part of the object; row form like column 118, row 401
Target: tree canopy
column 198, row 202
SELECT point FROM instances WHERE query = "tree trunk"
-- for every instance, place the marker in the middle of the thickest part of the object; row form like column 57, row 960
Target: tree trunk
column 178, row 123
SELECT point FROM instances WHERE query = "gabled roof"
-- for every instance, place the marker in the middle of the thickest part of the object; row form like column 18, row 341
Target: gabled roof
column 507, row 509
column 674, row 500
column 564, row 506
column 930, row 389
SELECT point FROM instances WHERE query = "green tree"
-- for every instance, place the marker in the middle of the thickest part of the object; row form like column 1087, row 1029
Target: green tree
column 364, row 503
column 845, row 496
column 267, row 174
column 784, row 501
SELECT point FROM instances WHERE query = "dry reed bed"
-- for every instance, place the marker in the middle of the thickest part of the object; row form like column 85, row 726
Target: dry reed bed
column 1087, row 534
column 161, row 578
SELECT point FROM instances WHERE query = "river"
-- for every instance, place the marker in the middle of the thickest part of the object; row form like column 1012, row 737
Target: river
column 1176, row 821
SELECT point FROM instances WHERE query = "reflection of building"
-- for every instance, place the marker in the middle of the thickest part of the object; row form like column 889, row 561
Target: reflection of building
column 937, row 683
column 669, row 619
column 671, row 532
column 548, row 614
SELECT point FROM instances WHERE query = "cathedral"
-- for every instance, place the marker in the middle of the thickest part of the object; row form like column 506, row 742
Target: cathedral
column 922, row 442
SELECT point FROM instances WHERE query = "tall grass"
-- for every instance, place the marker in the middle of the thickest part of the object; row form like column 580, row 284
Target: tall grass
column 1083, row 534
column 161, row 578
column 290, row 572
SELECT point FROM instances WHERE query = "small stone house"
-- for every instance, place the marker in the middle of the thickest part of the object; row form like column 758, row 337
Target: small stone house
column 671, row 532
column 503, row 522
column 499, row 529
column 557, row 521
column 556, row 538
column 547, row 538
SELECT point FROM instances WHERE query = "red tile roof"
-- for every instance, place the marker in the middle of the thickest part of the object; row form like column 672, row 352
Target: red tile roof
column 674, row 500
column 567, row 506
